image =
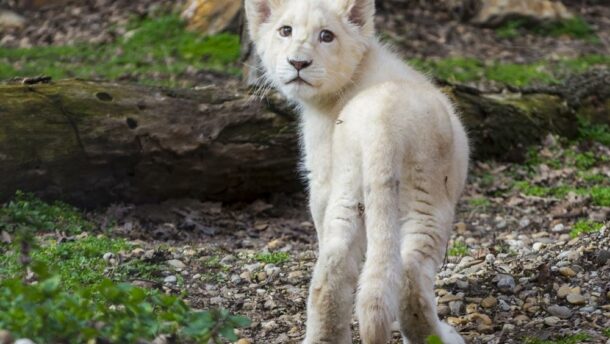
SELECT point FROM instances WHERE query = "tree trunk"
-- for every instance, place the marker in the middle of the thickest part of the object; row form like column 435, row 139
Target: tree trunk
column 93, row 143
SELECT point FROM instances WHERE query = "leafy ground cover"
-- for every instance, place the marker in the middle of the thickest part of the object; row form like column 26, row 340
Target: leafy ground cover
column 59, row 283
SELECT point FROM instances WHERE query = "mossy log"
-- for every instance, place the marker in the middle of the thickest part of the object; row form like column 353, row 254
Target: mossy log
column 92, row 143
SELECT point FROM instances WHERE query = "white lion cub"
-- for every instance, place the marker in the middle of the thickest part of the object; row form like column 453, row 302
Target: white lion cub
column 386, row 158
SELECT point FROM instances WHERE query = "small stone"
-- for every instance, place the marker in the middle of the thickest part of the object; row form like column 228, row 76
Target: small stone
column 269, row 325
column 228, row 260
column 521, row 318
column 450, row 297
column 272, row 270
column 235, row 279
column 244, row 341
column 170, row 279
column 107, row 256
column 506, row 282
column 563, row 291
column 576, row 299
column 558, row 228
column 176, row 264
column 246, row 275
column 524, row 222
column 537, row 246
column 275, row 244
column 562, row 312
column 456, row 307
column 567, row 271
column 504, row 306
column 489, row 302
column 480, row 318
column 508, row 328
column 471, row 308
column 261, row 276
column 602, row 257
column 443, row 310
column 295, row 276
column 551, row 321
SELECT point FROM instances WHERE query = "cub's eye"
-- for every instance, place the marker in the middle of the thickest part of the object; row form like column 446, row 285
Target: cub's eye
column 285, row 31
column 326, row 36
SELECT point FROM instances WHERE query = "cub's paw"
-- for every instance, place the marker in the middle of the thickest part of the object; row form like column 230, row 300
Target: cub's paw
column 449, row 335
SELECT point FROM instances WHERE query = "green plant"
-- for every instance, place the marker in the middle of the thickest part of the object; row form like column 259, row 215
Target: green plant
column 606, row 332
column 433, row 340
column 594, row 132
column 600, row 195
column 272, row 257
column 480, row 202
column 28, row 213
column 583, row 226
column 458, row 249
column 575, row 27
column 572, row 339
column 46, row 313
column 510, row 29
column 584, row 161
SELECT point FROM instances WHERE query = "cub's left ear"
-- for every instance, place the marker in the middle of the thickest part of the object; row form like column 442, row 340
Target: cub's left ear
column 360, row 13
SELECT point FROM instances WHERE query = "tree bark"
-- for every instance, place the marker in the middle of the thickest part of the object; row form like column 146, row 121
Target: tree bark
column 92, row 143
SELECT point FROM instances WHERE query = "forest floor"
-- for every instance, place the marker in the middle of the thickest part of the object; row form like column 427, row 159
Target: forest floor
column 529, row 261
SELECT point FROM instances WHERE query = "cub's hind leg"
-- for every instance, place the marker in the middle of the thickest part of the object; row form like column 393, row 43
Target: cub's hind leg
column 425, row 233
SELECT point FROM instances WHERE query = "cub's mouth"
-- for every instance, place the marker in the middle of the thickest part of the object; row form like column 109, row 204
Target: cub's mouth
column 299, row 80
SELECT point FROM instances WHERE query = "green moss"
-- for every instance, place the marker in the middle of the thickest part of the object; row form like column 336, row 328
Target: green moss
column 458, row 249
column 583, row 226
column 154, row 47
column 572, row 339
column 575, row 27
column 272, row 257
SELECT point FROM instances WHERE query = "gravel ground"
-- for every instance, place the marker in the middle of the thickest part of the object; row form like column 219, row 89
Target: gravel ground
column 515, row 273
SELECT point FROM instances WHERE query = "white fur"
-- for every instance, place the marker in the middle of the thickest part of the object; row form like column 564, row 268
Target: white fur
column 386, row 159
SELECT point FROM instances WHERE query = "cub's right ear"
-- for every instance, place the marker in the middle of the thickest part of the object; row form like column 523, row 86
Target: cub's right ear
column 258, row 12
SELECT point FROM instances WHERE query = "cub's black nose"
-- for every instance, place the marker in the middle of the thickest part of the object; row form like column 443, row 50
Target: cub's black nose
column 298, row 65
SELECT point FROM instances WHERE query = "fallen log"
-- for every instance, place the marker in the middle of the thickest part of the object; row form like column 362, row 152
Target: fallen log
column 92, row 143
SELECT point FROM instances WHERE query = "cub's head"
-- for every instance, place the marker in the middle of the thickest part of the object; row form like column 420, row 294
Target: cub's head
column 310, row 48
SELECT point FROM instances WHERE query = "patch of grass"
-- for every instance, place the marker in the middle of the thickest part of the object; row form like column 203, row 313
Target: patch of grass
column 153, row 47
column 584, row 161
column 26, row 212
column 600, row 195
column 510, row 29
column 576, row 27
column 583, row 227
column 572, row 339
column 272, row 257
column 458, row 249
column 480, row 202
column 461, row 70
column 606, row 332
column 76, row 263
column 594, row 132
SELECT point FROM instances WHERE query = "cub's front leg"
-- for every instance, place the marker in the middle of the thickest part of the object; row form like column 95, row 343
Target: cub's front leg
column 341, row 250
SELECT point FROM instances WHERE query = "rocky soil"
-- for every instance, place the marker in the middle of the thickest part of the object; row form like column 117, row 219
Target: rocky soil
column 516, row 270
